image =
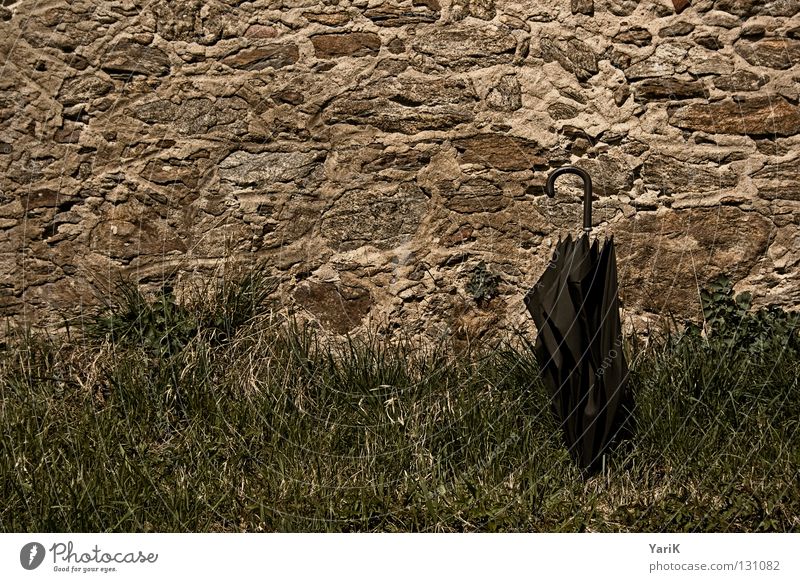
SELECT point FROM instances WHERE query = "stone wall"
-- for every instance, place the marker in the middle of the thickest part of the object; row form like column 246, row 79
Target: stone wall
column 387, row 158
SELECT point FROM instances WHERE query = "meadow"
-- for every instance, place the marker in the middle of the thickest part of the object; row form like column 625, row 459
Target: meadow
column 220, row 415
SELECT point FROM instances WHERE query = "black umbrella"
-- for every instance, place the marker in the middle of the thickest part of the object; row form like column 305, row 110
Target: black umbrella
column 579, row 346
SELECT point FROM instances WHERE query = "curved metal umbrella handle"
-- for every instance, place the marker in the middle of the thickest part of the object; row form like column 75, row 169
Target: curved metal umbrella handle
column 587, row 191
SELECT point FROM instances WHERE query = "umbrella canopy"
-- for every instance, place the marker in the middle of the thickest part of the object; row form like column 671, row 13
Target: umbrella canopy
column 575, row 307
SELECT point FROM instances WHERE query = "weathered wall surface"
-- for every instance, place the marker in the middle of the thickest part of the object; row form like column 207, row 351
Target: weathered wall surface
column 376, row 152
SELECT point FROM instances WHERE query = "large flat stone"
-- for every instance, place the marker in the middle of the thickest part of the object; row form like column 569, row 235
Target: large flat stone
column 167, row 172
column 741, row 80
column 476, row 195
column 393, row 15
column 635, row 35
column 664, row 257
column 780, row 181
column 274, row 56
column 62, row 28
column 667, row 88
column 667, row 60
column 339, row 308
column 83, row 89
column 748, row 8
column 762, row 115
column 130, row 58
column 775, row 53
column 671, row 176
column 258, row 171
column 193, row 116
column 506, row 95
column 462, row 47
column 500, row 151
column 406, row 105
column 375, row 217
column 190, row 20
column 353, row 44
column 622, row 7
column 611, row 174
column 127, row 237
column 572, row 54
column 701, row 61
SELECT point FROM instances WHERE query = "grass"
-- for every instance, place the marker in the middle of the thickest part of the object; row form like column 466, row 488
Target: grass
column 218, row 415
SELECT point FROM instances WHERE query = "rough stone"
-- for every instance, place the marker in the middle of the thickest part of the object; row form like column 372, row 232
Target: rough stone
column 677, row 29
column 775, row 53
column 636, row 35
column 621, row 94
column 289, row 96
column 260, row 171
column 411, row 160
column 193, row 116
column 200, row 21
column 159, row 111
column 748, row 8
column 477, row 195
column 130, row 58
column 260, row 31
column 667, row 60
column 340, row 309
column 622, row 7
column 779, row 181
column 349, row 144
column 741, row 80
column 559, row 111
column 708, row 62
column 709, row 41
column 611, row 174
column 172, row 171
column 430, row 4
column 671, row 176
column 663, row 257
column 753, row 31
column 572, row 54
column 721, row 19
column 392, row 67
column 396, row 46
column 506, row 95
column 761, row 115
column 328, row 18
column 69, row 132
column 407, row 105
column 667, row 88
column 582, row 7
column 483, row 9
column 680, row 5
column 61, row 29
column 353, row 44
column 383, row 220
column 83, row 89
column 392, row 15
column 462, row 47
column 127, row 236
column 500, row 151
column 48, row 198
column 275, row 56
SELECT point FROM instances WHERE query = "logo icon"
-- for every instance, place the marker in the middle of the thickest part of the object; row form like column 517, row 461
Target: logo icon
column 31, row 556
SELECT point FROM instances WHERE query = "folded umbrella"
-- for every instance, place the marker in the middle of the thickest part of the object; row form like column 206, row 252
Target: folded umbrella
column 575, row 307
